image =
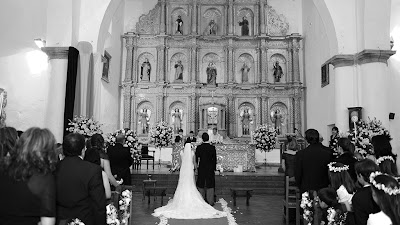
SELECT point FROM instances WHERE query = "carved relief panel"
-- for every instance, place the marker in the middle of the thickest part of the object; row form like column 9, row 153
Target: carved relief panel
column 277, row 24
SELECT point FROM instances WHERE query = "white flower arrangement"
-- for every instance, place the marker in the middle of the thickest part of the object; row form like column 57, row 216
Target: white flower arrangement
column 335, row 169
column 124, row 205
column 307, row 205
column 335, row 218
column 131, row 139
column 161, row 135
column 383, row 158
column 387, row 190
column 76, row 221
column 265, row 137
column 84, row 126
column 362, row 134
column 112, row 215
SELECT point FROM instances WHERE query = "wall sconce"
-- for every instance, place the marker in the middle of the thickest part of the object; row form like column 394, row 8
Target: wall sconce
column 40, row 42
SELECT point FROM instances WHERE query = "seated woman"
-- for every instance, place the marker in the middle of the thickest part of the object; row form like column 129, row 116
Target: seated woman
column 93, row 156
column 8, row 138
column 27, row 179
column 97, row 143
column 331, row 209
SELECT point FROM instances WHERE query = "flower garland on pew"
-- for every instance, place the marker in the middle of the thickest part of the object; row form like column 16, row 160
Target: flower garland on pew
column 76, row 222
column 307, row 205
column 265, row 137
column 362, row 134
column 336, row 218
column 122, row 217
column 85, row 126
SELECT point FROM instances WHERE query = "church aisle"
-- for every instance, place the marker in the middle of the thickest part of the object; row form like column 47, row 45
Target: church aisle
column 266, row 210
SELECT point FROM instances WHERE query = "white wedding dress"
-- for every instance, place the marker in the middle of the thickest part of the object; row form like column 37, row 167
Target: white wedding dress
column 187, row 203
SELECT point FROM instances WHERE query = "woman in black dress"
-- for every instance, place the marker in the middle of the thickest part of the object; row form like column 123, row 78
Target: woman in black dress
column 27, row 189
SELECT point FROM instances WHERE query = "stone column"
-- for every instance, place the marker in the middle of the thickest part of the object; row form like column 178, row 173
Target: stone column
column 256, row 66
column 230, row 17
column 166, row 64
column 134, row 65
column 262, row 17
column 260, row 112
column 296, row 68
column 133, row 124
column 194, row 18
column 160, row 64
column 265, row 110
column 58, row 60
column 192, row 113
column 127, row 106
column 160, row 108
column 193, row 62
column 231, row 116
column 297, row 113
column 264, row 65
column 162, row 17
column 129, row 58
column 231, row 65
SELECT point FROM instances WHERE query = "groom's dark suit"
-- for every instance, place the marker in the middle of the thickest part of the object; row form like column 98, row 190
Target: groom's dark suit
column 120, row 161
column 207, row 155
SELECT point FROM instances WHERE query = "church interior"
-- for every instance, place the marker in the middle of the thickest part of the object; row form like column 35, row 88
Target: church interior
column 201, row 64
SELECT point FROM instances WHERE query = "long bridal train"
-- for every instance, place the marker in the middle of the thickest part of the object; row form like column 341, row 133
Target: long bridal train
column 187, row 202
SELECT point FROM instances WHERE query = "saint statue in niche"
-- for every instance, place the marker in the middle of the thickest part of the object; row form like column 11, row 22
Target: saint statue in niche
column 245, row 26
column 144, row 121
column 145, row 70
column 177, row 120
column 278, row 72
column 178, row 71
column 212, row 28
column 179, row 25
column 245, row 72
column 277, row 119
column 211, row 74
column 246, row 119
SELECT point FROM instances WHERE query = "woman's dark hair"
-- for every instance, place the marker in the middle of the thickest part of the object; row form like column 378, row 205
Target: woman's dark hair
column 365, row 167
column 346, row 145
column 97, row 141
column 34, row 154
column 341, row 178
column 328, row 195
column 389, row 167
column 8, row 139
column 335, row 128
column 389, row 204
column 93, row 156
column 382, row 146
column 312, row 136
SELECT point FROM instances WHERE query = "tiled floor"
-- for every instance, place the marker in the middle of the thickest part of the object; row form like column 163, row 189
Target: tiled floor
column 265, row 210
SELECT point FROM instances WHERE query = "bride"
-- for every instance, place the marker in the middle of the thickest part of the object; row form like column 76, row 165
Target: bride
column 187, row 203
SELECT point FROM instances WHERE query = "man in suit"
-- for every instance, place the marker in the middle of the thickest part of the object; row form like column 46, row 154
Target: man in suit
column 363, row 203
column 80, row 189
column 206, row 159
column 179, row 137
column 191, row 138
column 312, row 164
column 120, row 160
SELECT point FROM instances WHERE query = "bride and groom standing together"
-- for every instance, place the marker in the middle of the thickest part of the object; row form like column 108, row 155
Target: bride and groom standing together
column 189, row 201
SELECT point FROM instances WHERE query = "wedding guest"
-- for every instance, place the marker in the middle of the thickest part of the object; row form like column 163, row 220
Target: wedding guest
column 363, row 203
column 343, row 184
column 289, row 156
column 311, row 164
column 179, row 137
column 345, row 151
column 386, row 193
column 80, row 189
column 382, row 146
column 97, row 144
column 328, row 200
column 191, row 138
column 387, row 165
column 8, row 139
column 333, row 142
column 93, row 156
column 215, row 137
column 27, row 190
column 120, row 160
column 59, row 152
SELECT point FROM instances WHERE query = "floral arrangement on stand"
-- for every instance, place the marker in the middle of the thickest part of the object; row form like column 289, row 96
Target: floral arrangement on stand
column 161, row 135
column 76, row 222
column 265, row 137
column 362, row 134
column 307, row 206
column 124, row 206
column 131, row 139
column 85, row 126
column 336, row 218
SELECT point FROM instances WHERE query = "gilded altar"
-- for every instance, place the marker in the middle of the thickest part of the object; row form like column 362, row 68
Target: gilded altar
column 229, row 64
column 229, row 156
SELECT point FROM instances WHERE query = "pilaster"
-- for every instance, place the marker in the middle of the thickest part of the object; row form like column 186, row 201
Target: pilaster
column 129, row 58
column 127, row 106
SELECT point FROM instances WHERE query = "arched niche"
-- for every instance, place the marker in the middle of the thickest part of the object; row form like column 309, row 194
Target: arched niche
column 209, row 16
column 177, row 115
column 277, row 57
column 184, row 18
column 244, row 14
column 246, row 119
column 245, row 69
column 174, row 67
column 146, row 56
column 145, row 115
column 212, row 60
column 213, row 115
column 279, row 117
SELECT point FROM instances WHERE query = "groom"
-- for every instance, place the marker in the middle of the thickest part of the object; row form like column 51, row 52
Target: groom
column 207, row 156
